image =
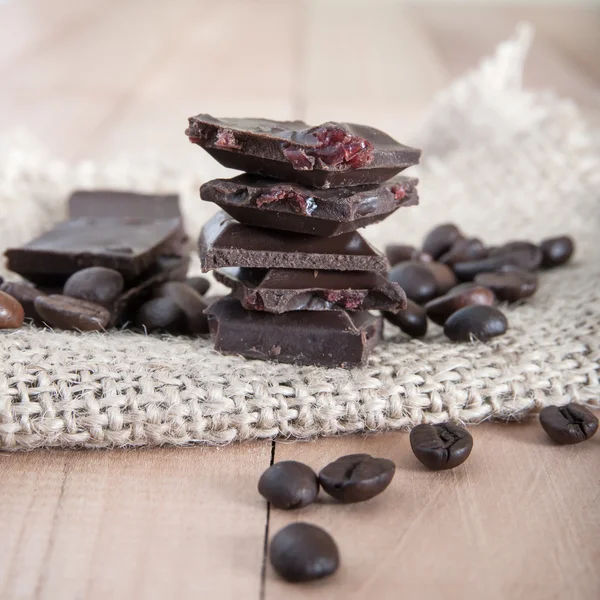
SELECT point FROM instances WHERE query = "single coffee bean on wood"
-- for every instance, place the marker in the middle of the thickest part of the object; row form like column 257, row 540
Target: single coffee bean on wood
column 397, row 253
column 303, row 552
column 464, row 250
column 25, row 294
column 440, row 239
column 416, row 279
column 289, row 484
column 412, row 320
column 477, row 321
column 556, row 251
column 356, row 477
column 160, row 314
column 73, row 314
column 442, row 446
column 444, row 276
column 569, row 424
column 190, row 302
column 510, row 284
column 439, row 309
column 11, row 312
column 96, row 284
column 200, row 284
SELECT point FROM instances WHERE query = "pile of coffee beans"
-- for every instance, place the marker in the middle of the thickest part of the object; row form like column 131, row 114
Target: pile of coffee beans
column 457, row 282
column 304, row 552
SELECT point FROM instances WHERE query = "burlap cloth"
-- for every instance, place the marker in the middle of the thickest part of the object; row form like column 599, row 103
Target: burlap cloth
column 501, row 161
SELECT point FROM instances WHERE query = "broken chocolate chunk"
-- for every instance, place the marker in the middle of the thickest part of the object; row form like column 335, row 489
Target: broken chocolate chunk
column 329, row 155
column 226, row 243
column 325, row 339
column 267, row 203
column 284, row 290
column 127, row 245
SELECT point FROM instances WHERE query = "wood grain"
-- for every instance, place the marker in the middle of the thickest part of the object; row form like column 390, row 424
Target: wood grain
column 161, row 523
column 97, row 77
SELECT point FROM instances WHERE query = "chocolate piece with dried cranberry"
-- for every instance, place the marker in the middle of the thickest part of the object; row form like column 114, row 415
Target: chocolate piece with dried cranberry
column 329, row 155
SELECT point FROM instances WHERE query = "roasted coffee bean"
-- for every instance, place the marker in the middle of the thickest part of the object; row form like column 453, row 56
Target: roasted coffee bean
column 25, row 294
column 556, row 251
column 412, row 320
column 510, row 284
column 440, row 239
column 11, row 312
column 303, row 552
column 289, row 484
column 161, row 314
column 443, row 446
column 439, row 309
column 200, row 284
column 69, row 313
column 190, row 302
column 95, row 284
column 356, row 477
column 416, row 279
column 478, row 321
column 527, row 257
column 397, row 253
column 444, row 276
column 569, row 424
column 464, row 250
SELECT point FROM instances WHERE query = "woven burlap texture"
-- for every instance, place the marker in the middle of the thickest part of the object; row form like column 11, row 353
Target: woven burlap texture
column 501, row 161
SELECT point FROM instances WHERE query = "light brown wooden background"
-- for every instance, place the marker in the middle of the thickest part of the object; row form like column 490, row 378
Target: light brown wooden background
column 520, row 520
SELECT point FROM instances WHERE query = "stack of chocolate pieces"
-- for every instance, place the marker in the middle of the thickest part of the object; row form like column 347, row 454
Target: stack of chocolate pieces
column 303, row 279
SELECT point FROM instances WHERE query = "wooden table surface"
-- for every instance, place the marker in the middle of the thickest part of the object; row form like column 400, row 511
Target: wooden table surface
column 520, row 520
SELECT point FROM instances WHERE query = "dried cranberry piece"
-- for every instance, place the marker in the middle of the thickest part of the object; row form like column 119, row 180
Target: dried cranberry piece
column 332, row 155
column 398, row 191
column 299, row 159
column 226, row 139
column 300, row 203
column 255, row 301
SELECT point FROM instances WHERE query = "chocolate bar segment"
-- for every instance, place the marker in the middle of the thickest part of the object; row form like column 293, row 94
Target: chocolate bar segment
column 112, row 203
column 284, row 290
column 226, row 243
column 264, row 202
column 330, row 155
column 325, row 339
column 128, row 245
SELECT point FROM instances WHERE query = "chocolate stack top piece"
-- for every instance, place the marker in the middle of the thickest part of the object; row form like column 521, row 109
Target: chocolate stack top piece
column 329, row 155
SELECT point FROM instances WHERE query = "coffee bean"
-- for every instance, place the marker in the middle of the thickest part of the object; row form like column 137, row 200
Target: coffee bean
column 440, row 239
column 416, row 280
column 190, row 302
column 11, row 312
column 439, row 309
column 161, row 314
column 444, row 276
column 412, row 320
column 527, row 257
column 510, row 284
column 96, row 284
column 556, row 251
column 356, row 477
column 464, row 250
column 200, row 284
column 569, row 424
column 25, row 294
column 397, row 253
column 303, row 552
column 69, row 313
column 443, row 446
column 289, row 484
column 479, row 321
